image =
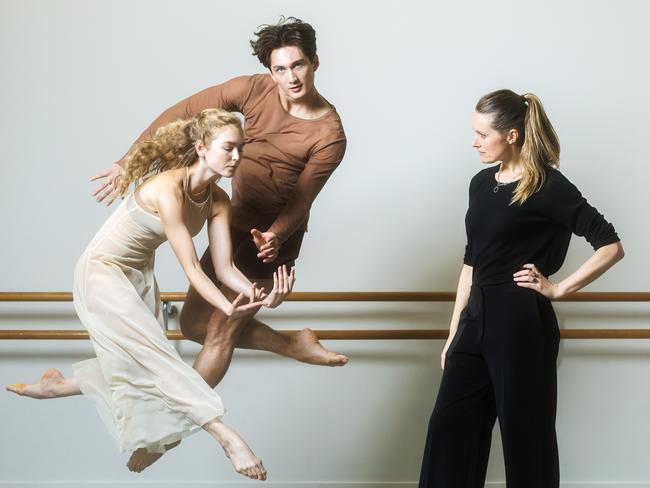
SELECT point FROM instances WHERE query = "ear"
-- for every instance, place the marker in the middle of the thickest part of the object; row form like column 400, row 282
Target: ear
column 315, row 62
column 200, row 148
column 513, row 136
column 272, row 76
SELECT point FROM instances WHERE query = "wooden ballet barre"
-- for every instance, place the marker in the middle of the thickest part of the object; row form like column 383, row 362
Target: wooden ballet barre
column 376, row 334
column 349, row 296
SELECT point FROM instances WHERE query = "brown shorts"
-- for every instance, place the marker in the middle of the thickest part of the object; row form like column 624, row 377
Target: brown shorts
column 245, row 257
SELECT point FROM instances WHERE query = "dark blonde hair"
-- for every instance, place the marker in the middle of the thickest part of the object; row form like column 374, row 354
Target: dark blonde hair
column 540, row 146
column 173, row 146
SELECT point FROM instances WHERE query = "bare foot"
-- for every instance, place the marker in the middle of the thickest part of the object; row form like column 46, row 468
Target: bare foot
column 240, row 455
column 52, row 385
column 141, row 458
column 305, row 347
column 243, row 459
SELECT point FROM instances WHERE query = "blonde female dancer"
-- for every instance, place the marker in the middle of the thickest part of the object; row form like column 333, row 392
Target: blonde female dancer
column 147, row 395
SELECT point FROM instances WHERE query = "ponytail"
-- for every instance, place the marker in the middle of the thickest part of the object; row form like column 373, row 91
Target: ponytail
column 540, row 150
column 540, row 147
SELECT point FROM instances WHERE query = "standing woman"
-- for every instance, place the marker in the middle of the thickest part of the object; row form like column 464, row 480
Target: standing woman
column 500, row 358
column 148, row 396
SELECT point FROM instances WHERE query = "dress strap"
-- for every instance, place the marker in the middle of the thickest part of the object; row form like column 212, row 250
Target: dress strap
column 186, row 182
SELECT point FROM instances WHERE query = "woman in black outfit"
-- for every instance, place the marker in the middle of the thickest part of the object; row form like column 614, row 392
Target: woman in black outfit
column 500, row 358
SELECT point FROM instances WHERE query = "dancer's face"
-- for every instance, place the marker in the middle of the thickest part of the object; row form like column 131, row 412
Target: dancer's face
column 223, row 153
column 293, row 72
column 492, row 145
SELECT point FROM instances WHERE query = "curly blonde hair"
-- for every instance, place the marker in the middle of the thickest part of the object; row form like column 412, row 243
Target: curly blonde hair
column 173, row 146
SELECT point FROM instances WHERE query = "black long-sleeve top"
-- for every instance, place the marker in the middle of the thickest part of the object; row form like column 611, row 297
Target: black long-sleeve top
column 502, row 237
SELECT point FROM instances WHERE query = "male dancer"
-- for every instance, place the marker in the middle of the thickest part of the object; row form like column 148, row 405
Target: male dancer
column 294, row 141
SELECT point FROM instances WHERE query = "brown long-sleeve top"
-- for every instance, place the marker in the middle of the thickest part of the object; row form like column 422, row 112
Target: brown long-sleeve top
column 286, row 160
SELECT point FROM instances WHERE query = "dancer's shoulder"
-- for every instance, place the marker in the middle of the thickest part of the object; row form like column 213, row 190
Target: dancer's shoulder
column 220, row 202
column 166, row 185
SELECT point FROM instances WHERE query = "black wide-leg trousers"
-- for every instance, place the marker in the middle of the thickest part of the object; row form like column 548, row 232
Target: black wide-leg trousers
column 500, row 364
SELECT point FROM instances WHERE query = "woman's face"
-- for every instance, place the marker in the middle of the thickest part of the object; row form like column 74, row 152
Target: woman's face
column 223, row 153
column 491, row 144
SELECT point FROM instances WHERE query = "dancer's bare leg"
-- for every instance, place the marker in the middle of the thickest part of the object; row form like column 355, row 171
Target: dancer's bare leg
column 212, row 363
column 240, row 455
column 51, row 385
column 197, row 318
column 302, row 345
column 221, row 336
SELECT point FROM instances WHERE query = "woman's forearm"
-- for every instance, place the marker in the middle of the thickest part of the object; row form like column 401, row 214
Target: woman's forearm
column 233, row 279
column 603, row 259
column 207, row 289
column 462, row 296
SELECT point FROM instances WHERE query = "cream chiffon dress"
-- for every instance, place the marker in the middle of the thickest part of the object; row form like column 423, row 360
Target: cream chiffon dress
column 145, row 393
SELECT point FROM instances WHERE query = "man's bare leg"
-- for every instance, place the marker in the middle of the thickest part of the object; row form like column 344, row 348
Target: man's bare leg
column 221, row 336
column 303, row 345
column 51, row 385
column 197, row 317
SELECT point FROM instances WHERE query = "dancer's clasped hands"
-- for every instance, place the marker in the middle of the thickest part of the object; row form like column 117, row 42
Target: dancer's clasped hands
column 241, row 307
column 283, row 281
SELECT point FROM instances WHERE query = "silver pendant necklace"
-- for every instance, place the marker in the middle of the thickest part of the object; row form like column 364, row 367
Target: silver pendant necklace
column 500, row 184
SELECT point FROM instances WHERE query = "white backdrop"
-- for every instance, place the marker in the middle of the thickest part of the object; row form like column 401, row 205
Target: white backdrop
column 80, row 79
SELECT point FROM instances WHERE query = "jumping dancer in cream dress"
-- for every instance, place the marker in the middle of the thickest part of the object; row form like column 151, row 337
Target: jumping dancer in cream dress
column 147, row 395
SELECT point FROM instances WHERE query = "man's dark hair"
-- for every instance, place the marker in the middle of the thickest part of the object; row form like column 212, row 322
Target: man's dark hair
column 287, row 32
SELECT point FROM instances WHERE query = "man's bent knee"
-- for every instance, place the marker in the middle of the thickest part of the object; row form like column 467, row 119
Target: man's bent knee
column 193, row 320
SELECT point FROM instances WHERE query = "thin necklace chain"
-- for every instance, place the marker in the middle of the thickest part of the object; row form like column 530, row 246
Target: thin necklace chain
column 204, row 194
column 499, row 183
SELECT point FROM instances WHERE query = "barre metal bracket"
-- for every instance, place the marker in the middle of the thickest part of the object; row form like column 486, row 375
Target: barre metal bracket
column 169, row 310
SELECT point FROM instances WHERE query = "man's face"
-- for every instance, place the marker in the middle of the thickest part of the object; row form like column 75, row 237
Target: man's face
column 293, row 72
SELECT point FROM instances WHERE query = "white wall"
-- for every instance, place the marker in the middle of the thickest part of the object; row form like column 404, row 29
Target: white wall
column 80, row 79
